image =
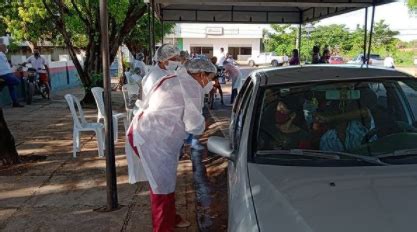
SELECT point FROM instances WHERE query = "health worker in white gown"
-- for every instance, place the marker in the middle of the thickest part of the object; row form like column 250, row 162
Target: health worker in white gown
column 167, row 61
column 170, row 111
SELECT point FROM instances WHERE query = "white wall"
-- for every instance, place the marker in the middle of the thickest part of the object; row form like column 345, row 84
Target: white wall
column 222, row 43
column 198, row 30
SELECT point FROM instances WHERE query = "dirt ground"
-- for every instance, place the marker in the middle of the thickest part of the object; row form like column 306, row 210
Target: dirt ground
column 51, row 191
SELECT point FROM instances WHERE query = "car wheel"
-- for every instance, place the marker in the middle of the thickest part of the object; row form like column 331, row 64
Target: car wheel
column 251, row 63
column 274, row 63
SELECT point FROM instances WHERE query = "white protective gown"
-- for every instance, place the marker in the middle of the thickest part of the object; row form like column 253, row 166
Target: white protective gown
column 138, row 64
column 170, row 111
column 152, row 77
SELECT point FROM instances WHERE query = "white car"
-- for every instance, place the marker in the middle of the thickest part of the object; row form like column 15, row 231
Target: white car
column 322, row 148
column 375, row 60
column 268, row 58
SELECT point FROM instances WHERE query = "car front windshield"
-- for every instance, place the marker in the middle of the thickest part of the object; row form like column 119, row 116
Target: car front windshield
column 363, row 119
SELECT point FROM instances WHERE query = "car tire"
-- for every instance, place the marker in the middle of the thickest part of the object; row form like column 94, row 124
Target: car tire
column 251, row 63
column 274, row 63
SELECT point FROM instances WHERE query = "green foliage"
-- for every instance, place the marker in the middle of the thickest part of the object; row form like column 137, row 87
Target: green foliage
column 96, row 81
column 338, row 38
column 139, row 36
column 26, row 20
column 283, row 40
column 13, row 46
column 73, row 23
column 412, row 5
column 3, row 27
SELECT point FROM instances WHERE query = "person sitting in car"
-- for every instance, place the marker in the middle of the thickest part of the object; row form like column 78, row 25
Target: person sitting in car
column 347, row 129
column 288, row 131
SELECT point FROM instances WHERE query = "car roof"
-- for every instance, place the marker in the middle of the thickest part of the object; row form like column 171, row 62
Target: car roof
column 323, row 73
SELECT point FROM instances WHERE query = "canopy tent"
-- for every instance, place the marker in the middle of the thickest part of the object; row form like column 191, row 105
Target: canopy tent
column 251, row 11
column 220, row 11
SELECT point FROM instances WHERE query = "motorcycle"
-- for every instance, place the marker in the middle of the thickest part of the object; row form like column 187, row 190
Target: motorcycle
column 35, row 83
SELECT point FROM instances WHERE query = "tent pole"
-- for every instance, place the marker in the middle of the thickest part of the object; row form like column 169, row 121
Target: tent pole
column 370, row 34
column 365, row 36
column 112, row 203
column 162, row 31
column 299, row 41
column 150, row 51
column 153, row 25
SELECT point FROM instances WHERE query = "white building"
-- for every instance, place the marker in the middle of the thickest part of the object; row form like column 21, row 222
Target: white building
column 239, row 40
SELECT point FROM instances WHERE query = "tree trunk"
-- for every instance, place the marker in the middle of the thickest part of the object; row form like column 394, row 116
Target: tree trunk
column 93, row 61
column 31, row 45
column 8, row 152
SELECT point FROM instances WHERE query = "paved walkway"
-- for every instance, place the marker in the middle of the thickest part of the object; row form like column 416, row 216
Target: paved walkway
column 56, row 192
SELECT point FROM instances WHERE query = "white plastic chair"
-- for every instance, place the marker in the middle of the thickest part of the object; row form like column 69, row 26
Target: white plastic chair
column 130, row 95
column 80, row 124
column 98, row 96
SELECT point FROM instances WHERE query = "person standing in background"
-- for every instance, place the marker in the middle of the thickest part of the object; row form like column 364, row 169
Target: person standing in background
column 221, row 58
column 234, row 73
column 316, row 55
column 389, row 61
column 295, row 59
column 7, row 75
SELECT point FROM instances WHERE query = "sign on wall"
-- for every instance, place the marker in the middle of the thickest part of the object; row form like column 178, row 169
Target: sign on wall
column 214, row 30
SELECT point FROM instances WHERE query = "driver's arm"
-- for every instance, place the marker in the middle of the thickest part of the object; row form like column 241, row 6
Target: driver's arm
column 28, row 60
column 355, row 114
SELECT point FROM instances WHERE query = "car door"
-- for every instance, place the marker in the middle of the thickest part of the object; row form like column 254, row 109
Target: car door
column 260, row 59
column 235, row 109
column 241, row 212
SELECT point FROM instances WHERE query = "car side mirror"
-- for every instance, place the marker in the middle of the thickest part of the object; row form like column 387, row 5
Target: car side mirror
column 220, row 146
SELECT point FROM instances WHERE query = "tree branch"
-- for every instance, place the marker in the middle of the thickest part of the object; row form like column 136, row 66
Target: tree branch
column 134, row 13
column 80, row 14
column 60, row 26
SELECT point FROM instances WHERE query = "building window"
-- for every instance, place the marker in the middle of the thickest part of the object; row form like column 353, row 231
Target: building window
column 207, row 51
column 240, row 53
column 245, row 51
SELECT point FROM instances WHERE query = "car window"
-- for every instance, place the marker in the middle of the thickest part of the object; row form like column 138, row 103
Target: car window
column 410, row 93
column 365, row 118
column 381, row 94
column 241, row 114
column 239, row 96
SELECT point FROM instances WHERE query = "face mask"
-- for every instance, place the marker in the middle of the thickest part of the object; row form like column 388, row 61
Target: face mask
column 7, row 50
column 207, row 88
column 172, row 65
column 282, row 118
